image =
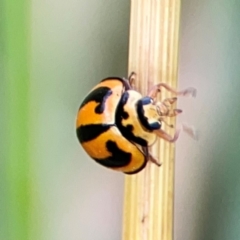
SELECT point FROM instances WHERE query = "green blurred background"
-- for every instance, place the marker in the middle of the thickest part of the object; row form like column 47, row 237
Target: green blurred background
column 208, row 171
column 51, row 54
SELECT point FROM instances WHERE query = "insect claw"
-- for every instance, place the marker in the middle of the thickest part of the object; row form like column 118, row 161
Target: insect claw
column 190, row 130
column 190, row 91
column 154, row 160
column 178, row 111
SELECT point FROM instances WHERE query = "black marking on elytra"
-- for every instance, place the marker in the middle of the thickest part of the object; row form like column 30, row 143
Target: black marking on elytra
column 124, row 81
column 146, row 154
column 144, row 163
column 98, row 95
column 125, row 115
column 127, row 131
column 143, row 119
column 89, row 132
column 118, row 158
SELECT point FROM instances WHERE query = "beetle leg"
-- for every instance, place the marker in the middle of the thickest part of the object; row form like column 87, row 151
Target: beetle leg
column 157, row 88
column 169, row 113
column 169, row 125
column 173, row 112
column 129, row 82
column 164, row 106
column 131, row 79
column 162, row 134
column 150, row 157
column 153, row 93
column 154, row 160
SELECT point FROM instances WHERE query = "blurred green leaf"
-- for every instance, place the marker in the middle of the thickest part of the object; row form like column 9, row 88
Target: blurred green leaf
column 14, row 165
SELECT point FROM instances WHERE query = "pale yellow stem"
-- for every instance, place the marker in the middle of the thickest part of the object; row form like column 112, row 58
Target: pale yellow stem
column 153, row 55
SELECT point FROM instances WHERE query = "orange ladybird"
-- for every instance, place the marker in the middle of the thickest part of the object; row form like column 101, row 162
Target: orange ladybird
column 116, row 124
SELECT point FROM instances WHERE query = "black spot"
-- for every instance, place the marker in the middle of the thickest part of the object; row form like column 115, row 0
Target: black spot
column 98, row 95
column 141, row 116
column 146, row 154
column 125, row 115
column 124, row 81
column 122, row 102
column 89, row 132
column 119, row 157
column 127, row 131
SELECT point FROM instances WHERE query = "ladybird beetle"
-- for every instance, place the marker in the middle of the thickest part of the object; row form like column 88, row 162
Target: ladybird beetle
column 116, row 125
